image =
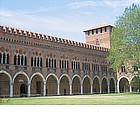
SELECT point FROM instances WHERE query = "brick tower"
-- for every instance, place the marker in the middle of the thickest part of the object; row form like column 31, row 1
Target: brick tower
column 99, row 35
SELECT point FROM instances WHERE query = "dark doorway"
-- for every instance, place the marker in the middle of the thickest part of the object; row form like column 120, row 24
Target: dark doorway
column 64, row 91
column 23, row 90
column 38, row 88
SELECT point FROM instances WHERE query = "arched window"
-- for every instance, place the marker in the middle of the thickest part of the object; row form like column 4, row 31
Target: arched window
column 18, row 59
column 123, row 69
column 35, row 61
column 47, row 62
column 0, row 58
column 32, row 61
column 15, row 60
column 8, row 58
column 40, row 62
column 55, row 63
column 25, row 60
column 4, row 58
column 22, row 60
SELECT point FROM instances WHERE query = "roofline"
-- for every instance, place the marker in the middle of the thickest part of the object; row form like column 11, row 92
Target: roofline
column 98, row 28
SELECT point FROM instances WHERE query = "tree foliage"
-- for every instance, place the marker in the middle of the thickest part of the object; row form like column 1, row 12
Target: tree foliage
column 125, row 40
column 135, row 83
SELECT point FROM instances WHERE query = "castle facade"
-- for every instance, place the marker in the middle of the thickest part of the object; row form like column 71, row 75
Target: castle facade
column 33, row 64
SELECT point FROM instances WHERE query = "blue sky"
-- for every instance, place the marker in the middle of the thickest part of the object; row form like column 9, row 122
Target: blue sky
column 61, row 18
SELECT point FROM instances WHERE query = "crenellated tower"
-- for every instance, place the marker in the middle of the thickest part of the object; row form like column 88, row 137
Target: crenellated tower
column 99, row 35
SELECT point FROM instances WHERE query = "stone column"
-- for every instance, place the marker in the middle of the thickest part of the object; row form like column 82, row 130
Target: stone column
column 58, row 89
column 20, row 60
column 44, row 89
column 24, row 61
column 108, row 88
column 2, row 58
column 11, row 89
column 81, row 88
column 118, row 90
column 100, row 89
column 36, row 61
column 70, row 89
column 16, row 60
column 6, row 59
column 66, row 65
column 39, row 61
column 130, row 88
column 29, row 90
column 91, row 90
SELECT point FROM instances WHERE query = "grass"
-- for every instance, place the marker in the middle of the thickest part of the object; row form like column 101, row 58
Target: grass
column 96, row 99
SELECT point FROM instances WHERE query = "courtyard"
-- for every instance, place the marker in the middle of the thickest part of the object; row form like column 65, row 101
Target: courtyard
column 95, row 99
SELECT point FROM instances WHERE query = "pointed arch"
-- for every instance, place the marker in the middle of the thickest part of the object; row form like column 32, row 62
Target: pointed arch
column 5, row 82
column 112, row 85
column 76, row 84
column 104, row 85
column 124, row 84
column 96, row 84
column 21, row 82
column 51, row 84
column 87, row 84
column 37, row 81
column 65, row 84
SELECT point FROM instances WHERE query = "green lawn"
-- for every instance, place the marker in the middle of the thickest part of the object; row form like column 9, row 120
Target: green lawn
column 96, row 99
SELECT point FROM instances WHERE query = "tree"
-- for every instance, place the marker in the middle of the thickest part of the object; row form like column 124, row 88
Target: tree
column 125, row 41
column 135, row 83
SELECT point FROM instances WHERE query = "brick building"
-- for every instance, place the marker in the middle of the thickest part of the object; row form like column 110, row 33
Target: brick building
column 33, row 64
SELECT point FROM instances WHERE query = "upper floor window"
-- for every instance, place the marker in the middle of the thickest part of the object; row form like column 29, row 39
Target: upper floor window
column 97, row 42
column 104, row 68
column 86, row 66
column 64, row 63
column 95, row 67
column 75, row 65
column 51, row 63
column 36, row 61
column 20, row 60
column 123, row 69
column 4, row 58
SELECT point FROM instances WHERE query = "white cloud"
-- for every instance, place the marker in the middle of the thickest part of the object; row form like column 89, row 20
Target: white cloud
column 39, row 10
column 6, row 13
column 120, row 3
column 55, row 26
column 77, row 5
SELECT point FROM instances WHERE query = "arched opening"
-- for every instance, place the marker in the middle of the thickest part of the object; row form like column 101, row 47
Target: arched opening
column 104, row 86
column 4, row 85
column 124, row 85
column 20, row 86
column 51, row 86
column 64, row 86
column 23, row 90
column 86, row 86
column 15, row 60
column 96, row 85
column 4, row 59
column 76, row 86
column 37, row 86
column 7, row 58
column 112, row 86
column 0, row 58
